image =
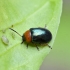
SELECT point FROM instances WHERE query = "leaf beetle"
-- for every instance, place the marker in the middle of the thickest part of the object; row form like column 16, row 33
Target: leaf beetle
column 36, row 36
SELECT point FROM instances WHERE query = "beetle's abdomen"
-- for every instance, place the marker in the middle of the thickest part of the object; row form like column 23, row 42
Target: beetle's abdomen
column 40, row 35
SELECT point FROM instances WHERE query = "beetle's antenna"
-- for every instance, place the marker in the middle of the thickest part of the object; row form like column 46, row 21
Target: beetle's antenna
column 15, row 31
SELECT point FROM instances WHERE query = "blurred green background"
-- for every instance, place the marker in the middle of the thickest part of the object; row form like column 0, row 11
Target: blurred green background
column 59, row 57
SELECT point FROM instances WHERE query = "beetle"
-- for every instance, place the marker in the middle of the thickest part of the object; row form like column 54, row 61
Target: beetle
column 36, row 36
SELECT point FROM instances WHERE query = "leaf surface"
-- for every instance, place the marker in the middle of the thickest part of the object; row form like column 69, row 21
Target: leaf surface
column 23, row 15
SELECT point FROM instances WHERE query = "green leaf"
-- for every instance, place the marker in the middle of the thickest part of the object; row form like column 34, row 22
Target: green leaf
column 23, row 15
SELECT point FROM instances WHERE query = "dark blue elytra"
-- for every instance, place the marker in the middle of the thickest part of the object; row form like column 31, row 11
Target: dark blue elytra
column 40, row 35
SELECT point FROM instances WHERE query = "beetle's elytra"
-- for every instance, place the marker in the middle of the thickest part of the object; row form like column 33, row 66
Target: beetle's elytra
column 36, row 36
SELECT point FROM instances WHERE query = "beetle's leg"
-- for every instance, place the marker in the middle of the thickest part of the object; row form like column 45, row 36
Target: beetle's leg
column 49, row 46
column 37, row 47
column 21, row 42
column 45, row 26
column 27, row 46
